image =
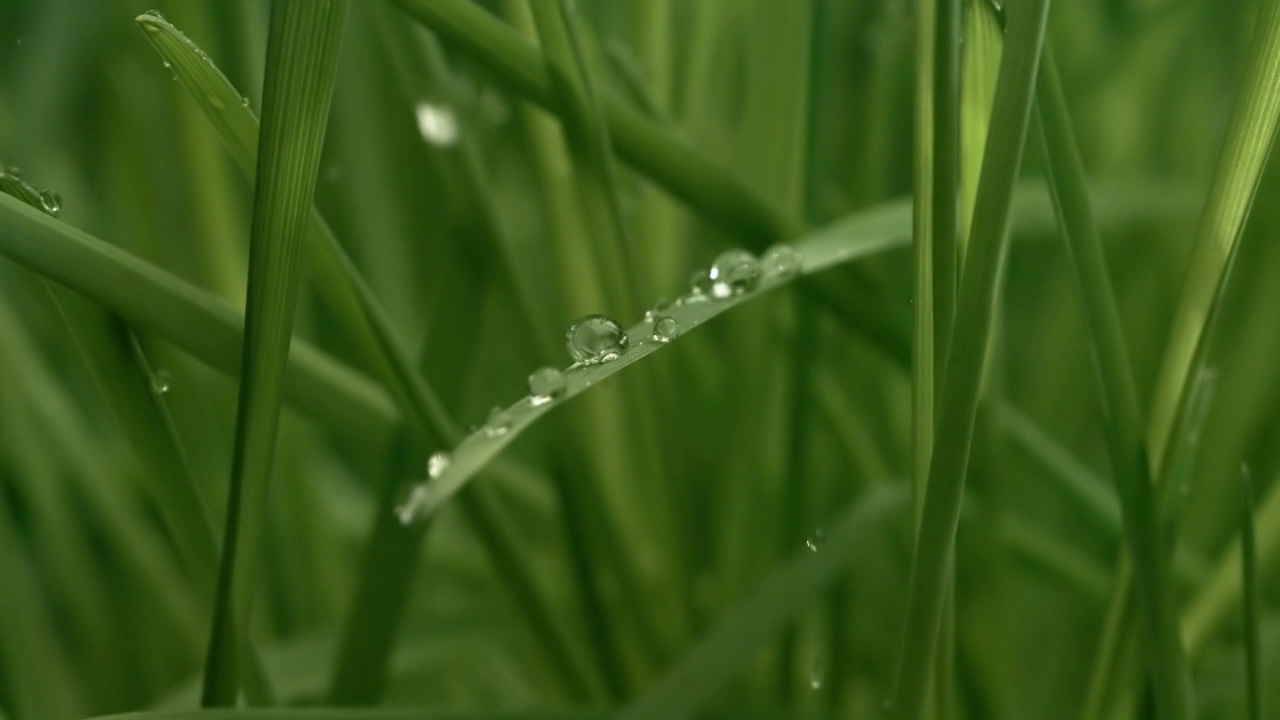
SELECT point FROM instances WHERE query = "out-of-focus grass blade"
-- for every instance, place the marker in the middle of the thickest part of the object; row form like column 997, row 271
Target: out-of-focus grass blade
column 924, row 364
column 966, row 358
column 1144, row 534
column 372, row 714
column 302, row 61
column 1252, row 599
column 155, row 301
column 791, row 588
column 1248, row 142
column 338, row 282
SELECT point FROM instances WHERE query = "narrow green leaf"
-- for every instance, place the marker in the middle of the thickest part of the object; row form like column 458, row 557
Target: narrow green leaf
column 1144, row 534
column 302, row 51
column 1248, row 142
column 777, row 600
column 154, row 301
column 966, row 358
column 925, row 365
column 371, row 714
column 1252, row 600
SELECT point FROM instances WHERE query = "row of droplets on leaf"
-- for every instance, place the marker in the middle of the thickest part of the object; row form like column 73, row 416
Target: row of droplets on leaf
column 597, row 340
column 14, row 184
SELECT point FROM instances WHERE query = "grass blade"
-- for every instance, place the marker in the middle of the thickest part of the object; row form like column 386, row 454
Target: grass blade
column 302, row 63
column 154, row 301
column 776, row 601
column 1252, row 600
column 1144, row 534
column 966, row 358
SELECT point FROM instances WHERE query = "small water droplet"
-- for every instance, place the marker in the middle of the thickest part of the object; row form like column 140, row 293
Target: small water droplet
column 699, row 284
column 595, row 339
column 408, row 511
column 545, row 384
column 51, row 201
column 733, row 273
column 154, row 15
column 437, row 124
column 499, row 423
column 161, row 382
column 816, row 540
column 656, row 311
column 817, row 676
column 244, row 101
column 167, row 65
column 780, row 261
column 665, row 329
column 437, row 463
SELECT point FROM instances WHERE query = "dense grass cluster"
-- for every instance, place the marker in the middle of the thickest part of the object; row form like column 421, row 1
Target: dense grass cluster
column 937, row 374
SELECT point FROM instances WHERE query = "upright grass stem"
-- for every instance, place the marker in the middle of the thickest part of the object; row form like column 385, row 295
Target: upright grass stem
column 966, row 357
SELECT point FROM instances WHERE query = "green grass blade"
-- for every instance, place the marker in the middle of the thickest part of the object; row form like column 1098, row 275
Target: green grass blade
column 302, row 52
column 1144, row 534
column 946, row 174
column 154, row 301
column 925, row 365
column 1248, row 142
column 1252, row 600
column 966, row 358
column 778, row 599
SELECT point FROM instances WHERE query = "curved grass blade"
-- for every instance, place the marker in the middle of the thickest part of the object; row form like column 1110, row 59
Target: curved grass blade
column 157, row 302
column 1245, row 150
column 302, row 51
column 966, row 357
column 1144, row 535
column 776, row 601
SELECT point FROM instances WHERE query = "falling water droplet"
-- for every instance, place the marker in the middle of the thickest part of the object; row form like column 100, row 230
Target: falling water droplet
column 545, row 384
column 665, row 329
column 733, row 273
column 780, row 262
column 51, row 201
column 437, row 124
column 161, row 382
column 437, row 463
column 816, row 540
column 499, row 423
column 595, row 339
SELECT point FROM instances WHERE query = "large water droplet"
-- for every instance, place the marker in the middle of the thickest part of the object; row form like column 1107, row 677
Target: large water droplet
column 733, row 273
column 595, row 339
column 437, row 463
column 545, row 384
column 51, row 201
column 816, row 540
column 161, row 382
column 780, row 262
column 665, row 329
column 437, row 124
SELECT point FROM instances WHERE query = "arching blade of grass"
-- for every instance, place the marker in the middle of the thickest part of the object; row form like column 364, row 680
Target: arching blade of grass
column 966, row 357
column 302, row 53
column 155, row 301
column 658, row 153
column 777, row 600
column 1248, row 142
column 1144, row 535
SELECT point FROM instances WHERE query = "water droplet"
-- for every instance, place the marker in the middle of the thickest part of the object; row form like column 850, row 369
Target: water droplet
column 780, row 261
column 699, row 284
column 408, row 511
column 595, row 339
column 665, row 329
column 437, row 124
column 816, row 540
column 545, row 384
column 499, row 423
column 154, row 15
column 656, row 311
column 51, row 201
column 161, row 382
column 244, row 101
column 167, row 65
column 817, row 676
column 437, row 463
column 733, row 273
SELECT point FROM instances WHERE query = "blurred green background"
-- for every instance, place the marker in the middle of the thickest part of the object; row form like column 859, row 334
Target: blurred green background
column 696, row 473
